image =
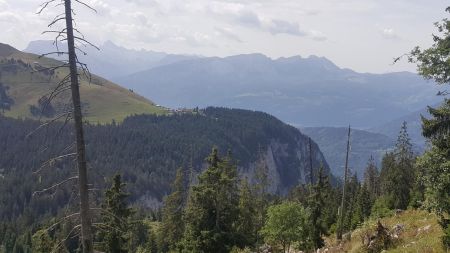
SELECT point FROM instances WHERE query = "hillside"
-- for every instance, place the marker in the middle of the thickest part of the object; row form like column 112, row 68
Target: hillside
column 147, row 150
column 332, row 142
column 309, row 91
column 25, row 83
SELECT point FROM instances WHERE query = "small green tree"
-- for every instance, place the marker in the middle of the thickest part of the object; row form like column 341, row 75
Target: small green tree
column 261, row 190
column 364, row 204
column 212, row 208
column 42, row 242
column 372, row 179
column 115, row 228
column 172, row 226
column 398, row 171
column 246, row 226
column 286, row 224
column 316, row 203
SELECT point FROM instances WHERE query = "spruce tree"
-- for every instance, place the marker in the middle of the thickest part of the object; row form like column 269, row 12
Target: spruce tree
column 398, row 171
column 353, row 188
column 115, row 214
column 317, row 227
column 372, row 179
column 246, row 225
column 172, row 226
column 261, row 189
column 212, row 209
column 364, row 204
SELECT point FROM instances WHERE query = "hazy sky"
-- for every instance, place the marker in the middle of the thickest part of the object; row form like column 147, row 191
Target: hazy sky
column 364, row 35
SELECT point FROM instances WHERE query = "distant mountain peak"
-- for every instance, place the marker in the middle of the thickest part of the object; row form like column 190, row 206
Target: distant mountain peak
column 253, row 56
column 325, row 62
column 111, row 45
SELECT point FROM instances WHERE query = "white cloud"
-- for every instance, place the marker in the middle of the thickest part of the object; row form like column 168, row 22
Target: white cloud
column 3, row 4
column 389, row 33
column 227, row 33
column 278, row 26
column 101, row 7
column 317, row 35
column 224, row 27
column 10, row 17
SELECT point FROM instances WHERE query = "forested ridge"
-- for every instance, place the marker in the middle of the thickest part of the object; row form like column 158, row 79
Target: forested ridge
column 146, row 149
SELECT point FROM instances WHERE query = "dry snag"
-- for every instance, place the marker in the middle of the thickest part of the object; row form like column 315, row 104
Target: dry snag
column 73, row 37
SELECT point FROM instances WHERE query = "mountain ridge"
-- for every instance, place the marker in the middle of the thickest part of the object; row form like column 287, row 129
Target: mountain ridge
column 112, row 60
column 323, row 94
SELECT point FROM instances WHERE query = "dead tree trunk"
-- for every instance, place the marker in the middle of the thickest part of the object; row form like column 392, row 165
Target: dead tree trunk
column 342, row 209
column 86, row 223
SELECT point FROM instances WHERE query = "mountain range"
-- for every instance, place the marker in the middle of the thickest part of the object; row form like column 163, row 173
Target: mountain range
column 111, row 60
column 310, row 91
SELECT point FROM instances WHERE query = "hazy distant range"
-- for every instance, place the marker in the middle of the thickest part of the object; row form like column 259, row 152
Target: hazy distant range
column 305, row 92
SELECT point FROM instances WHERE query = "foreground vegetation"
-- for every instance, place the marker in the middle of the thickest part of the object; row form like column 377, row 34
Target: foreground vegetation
column 418, row 231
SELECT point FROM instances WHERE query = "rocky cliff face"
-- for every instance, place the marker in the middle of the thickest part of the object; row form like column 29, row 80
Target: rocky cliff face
column 288, row 166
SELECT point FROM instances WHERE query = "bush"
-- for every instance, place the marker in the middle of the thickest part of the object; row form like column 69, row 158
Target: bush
column 381, row 207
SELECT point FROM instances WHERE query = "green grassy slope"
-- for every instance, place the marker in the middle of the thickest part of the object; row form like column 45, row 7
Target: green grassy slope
column 422, row 233
column 103, row 101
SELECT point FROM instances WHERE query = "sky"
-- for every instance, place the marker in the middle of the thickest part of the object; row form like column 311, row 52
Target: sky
column 364, row 35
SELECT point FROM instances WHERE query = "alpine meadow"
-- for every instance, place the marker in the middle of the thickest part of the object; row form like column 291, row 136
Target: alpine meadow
column 216, row 126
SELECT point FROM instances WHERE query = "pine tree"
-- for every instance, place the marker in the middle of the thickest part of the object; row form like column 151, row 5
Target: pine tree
column 172, row 226
column 261, row 189
column 372, row 179
column 364, row 204
column 212, row 208
column 316, row 204
column 246, row 225
column 115, row 216
column 398, row 171
column 353, row 188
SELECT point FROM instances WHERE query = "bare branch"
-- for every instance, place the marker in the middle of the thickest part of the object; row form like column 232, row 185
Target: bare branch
column 50, row 228
column 59, row 53
column 49, row 162
column 102, row 225
column 61, row 243
column 56, row 20
column 87, row 42
column 55, row 186
column 109, row 213
column 44, row 5
column 47, row 123
column 82, row 3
